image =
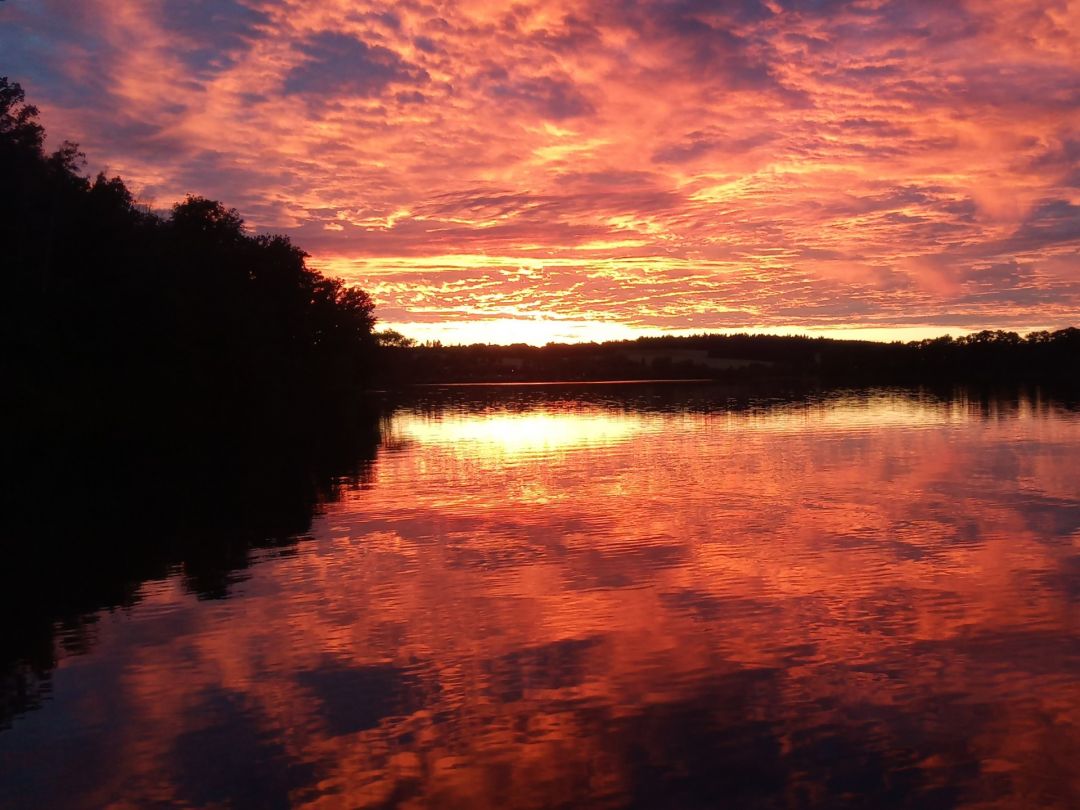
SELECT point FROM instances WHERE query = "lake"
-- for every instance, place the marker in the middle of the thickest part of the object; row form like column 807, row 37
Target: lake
column 594, row 596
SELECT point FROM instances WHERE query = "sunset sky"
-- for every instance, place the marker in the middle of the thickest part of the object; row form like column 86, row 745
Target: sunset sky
column 510, row 172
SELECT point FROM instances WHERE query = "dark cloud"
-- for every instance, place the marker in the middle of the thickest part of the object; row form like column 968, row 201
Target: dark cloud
column 699, row 144
column 411, row 97
column 997, row 86
column 1051, row 222
column 710, row 43
column 873, row 126
column 609, row 179
column 217, row 30
column 337, row 64
column 867, row 26
column 480, row 201
column 56, row 52
column 818, row 7
column 426, row 44
column 895, row 198
column 552, row 98
column 1061, row 158
column 814, row 44
column 678, row 11
column 872, row 72
column 571, row 36
column 389, row 19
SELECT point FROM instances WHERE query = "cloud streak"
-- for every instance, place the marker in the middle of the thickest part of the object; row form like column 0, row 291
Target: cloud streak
column 627, row 164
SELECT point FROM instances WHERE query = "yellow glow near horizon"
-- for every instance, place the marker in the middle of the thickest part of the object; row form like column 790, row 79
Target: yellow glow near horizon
column 506, row 331
column 540, row 332
column 614, row 169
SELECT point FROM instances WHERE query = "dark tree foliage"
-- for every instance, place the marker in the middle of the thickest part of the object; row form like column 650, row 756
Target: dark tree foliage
column 114, row 316
column 178, row 394
column 986, row 357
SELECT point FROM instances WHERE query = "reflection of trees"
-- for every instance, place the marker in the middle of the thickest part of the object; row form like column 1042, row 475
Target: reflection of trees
column 725, row 397
column 179, row 389
column 86, row 526
column 751, row 648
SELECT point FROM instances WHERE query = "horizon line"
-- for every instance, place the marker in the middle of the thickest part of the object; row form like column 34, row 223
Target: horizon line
column 540, row 332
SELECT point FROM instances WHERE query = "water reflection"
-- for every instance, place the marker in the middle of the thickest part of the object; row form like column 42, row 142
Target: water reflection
column 656, row 598
column 87, row 523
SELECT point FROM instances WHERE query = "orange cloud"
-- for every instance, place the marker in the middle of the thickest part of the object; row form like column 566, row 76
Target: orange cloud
column 656, row 165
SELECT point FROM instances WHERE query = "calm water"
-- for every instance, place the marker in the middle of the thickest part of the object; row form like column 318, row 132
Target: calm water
column 611, row 597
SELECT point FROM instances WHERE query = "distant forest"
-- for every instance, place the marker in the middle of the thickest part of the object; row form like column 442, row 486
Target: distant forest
column 985, row 357
column 116, row 318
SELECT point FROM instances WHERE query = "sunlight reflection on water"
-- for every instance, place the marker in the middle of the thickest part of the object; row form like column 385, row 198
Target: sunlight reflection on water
column 864, row 599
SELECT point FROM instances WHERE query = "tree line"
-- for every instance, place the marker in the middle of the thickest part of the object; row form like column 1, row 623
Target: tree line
column 984, row 357
column 114, row 314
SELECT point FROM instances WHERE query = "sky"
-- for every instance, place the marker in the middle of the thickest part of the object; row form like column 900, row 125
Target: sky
column 596, row 169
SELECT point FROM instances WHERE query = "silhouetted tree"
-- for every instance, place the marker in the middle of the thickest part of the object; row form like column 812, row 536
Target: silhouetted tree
column 115, row 316
column 391, row 337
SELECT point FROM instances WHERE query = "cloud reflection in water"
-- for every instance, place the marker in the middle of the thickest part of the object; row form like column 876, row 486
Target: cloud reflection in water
column 865, row 599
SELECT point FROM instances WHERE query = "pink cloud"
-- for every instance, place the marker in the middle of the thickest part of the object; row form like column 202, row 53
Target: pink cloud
column 784, row 163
